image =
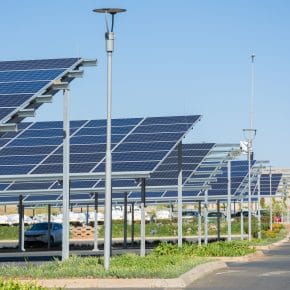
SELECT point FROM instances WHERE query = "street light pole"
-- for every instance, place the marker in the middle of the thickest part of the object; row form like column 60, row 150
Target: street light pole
column 251, row 134
column 109, row 36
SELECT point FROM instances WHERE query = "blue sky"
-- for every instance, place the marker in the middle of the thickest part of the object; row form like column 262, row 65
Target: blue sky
column 171, row 57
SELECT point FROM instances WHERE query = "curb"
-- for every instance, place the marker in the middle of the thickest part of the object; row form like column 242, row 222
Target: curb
column 271, row 246
column 181, row 282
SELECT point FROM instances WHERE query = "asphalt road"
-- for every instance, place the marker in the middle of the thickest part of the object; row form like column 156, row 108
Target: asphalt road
column 271, row 272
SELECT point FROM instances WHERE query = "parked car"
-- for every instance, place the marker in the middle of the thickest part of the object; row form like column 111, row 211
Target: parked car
column 190, row 214
column 238, row 214
column 38, row 233
column 163, row 214
column 215, row 214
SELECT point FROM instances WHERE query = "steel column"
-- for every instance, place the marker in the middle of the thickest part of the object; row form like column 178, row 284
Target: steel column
column 218, row 221
column 49, row 225
column 143, row 226
column 242, row 219
column 199, row 223
column 179, row 197
column 249, row 192
column 132, row 224
column 259, row 207
column 125, row 219
column 66, row 170
column 206, row 217
column 229, row 218
column 271, row 202
column 96, row 227
column 21, row 225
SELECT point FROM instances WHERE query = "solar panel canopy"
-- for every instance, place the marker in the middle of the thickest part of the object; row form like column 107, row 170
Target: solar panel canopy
column 269, row 187
column 23, row 82
column 138, row 144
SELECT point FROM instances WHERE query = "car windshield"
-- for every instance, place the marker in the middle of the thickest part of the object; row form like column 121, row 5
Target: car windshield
column 39, row 227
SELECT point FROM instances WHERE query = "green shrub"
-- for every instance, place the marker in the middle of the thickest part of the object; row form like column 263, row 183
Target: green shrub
column 255, row 228
column 225, row 249
column 269, row 234
column 165, row 248
column 14, row 285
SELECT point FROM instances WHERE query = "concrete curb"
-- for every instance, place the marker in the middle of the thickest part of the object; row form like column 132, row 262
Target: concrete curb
column 271, row 246
column 181, row 282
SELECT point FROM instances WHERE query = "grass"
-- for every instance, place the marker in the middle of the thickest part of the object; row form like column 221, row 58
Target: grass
column 165, row 261
column 267, row 240
column 125, row 266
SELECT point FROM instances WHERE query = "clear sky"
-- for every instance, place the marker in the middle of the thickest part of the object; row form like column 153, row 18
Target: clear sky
column 172, row 57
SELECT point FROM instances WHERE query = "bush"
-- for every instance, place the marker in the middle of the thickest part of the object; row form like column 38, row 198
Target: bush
column 269, row 234
column 165, row 248
column 254, row 226
column 217, row 249
column 225, row 249
column 14, row 285
column 277, row 228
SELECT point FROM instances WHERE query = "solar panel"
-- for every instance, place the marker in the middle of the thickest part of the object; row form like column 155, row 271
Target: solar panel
column 21, row 82
column 265, row 184
column 37, row 147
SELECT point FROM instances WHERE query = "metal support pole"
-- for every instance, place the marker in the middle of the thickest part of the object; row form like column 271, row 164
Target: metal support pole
column 242, row 219
column 87, row 215
column 259, row 207
column 205, row 217
column 234, row 206
column 125, row 219
column 21, row 224
column 179, row 197
column 199, row 223
column 229, row 219
column 66, row 169
column 96, row 227
column 108, row 204
column 271, row 202
column 143, row 226
column 49, row 226
column 249, row 193
column 218, row 222
column 132, row 224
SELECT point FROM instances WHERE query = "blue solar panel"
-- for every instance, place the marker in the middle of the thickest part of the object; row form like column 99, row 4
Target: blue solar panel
column 30, row 185
column 192, row 155
column 265, row 184
column 22, row 81
column 39, row 144
column 27, row 75
column 39, row 198
column 37, row 64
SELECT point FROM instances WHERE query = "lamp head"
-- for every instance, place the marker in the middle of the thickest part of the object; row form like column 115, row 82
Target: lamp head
column 111, row 11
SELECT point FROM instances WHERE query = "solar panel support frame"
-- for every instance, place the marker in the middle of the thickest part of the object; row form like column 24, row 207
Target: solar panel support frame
column 60, row 86
column 73, row 176
column 26, row 113
column 76, row 74
column 8, row 127
column 89, row 62
column 44, row 99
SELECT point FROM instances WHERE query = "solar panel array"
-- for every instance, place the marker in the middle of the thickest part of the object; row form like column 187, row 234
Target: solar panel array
column 22, row 81
column 239, row 173
column 193, row 154
column 265, row 184
column 138, row 145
